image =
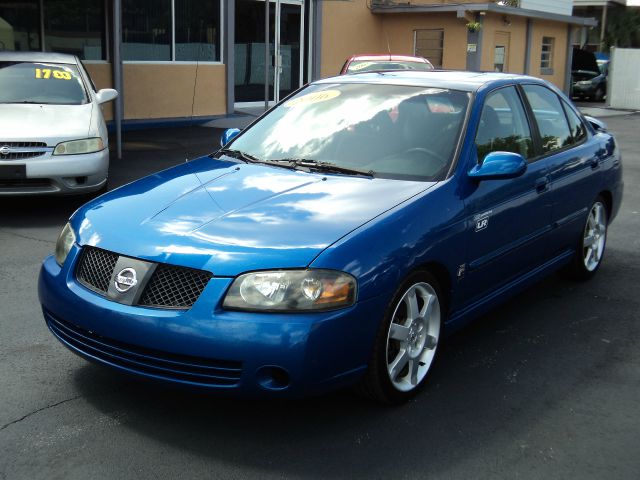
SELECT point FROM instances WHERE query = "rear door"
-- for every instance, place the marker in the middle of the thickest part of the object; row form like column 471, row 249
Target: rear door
column 574, row 158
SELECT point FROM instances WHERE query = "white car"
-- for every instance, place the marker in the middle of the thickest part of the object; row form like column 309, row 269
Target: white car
column 53, row 138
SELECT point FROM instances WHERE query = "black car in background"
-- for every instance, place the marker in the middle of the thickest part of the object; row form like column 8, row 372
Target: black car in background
column 588, row 78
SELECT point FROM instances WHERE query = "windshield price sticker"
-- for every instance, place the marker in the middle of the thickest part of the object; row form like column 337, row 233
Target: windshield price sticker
column 315, row 97
column 49, row 73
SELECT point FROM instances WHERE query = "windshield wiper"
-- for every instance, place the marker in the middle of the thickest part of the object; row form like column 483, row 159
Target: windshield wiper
column 318, row 166
column 240, row 155
column 27, row 102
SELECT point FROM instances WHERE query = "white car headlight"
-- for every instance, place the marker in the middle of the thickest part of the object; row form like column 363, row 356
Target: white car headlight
column 65, row 241
column 291, row 291
column 75, row 147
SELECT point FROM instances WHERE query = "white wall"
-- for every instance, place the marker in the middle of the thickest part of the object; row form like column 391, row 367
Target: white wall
column 561, row 7
column 623, row 84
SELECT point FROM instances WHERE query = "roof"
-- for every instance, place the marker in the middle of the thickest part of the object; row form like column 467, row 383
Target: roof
column 456, row 80
column 37, row 57
column 482, row 7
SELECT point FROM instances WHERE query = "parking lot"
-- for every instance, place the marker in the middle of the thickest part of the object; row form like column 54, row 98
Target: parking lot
column 546, row 386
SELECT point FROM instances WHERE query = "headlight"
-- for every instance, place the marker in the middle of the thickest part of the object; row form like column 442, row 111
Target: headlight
column 66, row 239
column 74, row 147
column 291, row 291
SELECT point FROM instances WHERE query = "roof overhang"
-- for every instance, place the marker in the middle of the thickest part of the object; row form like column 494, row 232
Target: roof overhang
column 598, row 3
column 484, row 7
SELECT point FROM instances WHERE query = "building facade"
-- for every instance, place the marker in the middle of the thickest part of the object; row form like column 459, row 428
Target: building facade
column 183, row 59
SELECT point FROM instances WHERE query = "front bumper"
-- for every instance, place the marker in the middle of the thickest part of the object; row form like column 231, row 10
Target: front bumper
column 583, row 90
column 59, row 174
column 207, row 347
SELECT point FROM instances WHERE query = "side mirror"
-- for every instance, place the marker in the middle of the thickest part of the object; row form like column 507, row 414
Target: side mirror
column 106, row 95
column 499, row 165
column 228, row 135
column 598, row 125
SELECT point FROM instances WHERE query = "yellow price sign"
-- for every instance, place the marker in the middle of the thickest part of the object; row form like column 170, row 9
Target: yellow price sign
column 315, row 97
column 47, row 73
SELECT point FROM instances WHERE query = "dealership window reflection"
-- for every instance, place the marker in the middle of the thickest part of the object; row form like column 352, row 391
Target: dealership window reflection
column 166, row 30
column 19, row 26
column 76, row 27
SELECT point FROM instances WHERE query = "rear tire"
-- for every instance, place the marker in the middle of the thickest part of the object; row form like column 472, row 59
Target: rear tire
column 407, row 341
column 592, row 243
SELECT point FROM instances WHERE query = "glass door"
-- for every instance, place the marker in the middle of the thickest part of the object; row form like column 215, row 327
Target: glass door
column 286, row 47
column 290, row 47
column 249, row 51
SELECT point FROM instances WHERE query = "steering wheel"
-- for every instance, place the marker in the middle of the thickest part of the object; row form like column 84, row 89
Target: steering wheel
column 421, row 152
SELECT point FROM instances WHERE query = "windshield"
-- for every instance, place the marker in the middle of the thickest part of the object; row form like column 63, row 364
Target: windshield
column 394, row 131
column 359, row 66
column 26, row 82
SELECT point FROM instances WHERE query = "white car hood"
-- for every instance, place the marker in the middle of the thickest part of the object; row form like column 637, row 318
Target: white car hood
column 44, row 123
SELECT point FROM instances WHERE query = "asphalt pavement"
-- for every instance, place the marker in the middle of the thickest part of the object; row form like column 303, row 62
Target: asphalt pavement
column 545, row 387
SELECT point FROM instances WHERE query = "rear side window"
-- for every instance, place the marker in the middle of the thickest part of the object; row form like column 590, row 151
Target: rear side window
column 578, row 130
column 503, row 125
column 549, row 115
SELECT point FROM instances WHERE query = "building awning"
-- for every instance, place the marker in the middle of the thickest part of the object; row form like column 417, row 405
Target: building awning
column 598, row 3
column 483, row 7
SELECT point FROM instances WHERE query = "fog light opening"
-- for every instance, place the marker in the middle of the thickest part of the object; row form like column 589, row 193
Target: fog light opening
column 273, row 378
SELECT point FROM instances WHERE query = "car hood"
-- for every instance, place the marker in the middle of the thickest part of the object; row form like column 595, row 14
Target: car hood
column 44, row 123
column 229, row 218
column 580, row 75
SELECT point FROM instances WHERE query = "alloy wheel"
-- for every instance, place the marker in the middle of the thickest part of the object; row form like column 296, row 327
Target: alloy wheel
column 413, row 336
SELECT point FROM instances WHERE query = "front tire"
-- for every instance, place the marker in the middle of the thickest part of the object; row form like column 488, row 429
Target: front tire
column 407, row 341
column 592, row 243
column 599, row 95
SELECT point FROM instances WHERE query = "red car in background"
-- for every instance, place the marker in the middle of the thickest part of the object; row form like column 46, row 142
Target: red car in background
column 369, row 63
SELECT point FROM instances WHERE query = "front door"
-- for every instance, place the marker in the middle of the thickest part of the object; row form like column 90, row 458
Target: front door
column 509, row 219
column 286, row 47
column 501, row 52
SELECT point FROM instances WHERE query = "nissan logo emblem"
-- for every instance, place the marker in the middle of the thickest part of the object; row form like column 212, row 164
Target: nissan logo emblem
column 5, row 150
column 125, row 280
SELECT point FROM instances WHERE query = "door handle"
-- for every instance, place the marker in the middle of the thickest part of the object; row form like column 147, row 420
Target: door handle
column 593, row 162
column 542, row 184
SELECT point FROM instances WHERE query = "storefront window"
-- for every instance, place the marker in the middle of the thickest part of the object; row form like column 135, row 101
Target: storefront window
column 76, row 27
column 19, row 26
column 146, row 30
column 197, row 30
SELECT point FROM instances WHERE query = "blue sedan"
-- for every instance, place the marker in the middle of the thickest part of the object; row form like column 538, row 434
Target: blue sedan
column 338, row 238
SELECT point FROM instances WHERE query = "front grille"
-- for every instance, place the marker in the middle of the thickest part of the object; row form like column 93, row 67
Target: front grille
column 174, row 287
column 147, row 362
column 95, row 268
column 24, row 146
column 24, row 183
column 169, row 286
column 20, row 155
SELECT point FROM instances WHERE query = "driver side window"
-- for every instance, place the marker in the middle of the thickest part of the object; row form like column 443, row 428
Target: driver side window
column 503, row 125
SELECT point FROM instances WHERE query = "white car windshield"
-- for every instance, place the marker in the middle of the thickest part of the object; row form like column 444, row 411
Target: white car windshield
column 41, row 83
column 394, row 131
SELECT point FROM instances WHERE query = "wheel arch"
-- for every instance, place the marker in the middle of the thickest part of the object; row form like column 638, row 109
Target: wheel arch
column 442, row 275
column 608, row 201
